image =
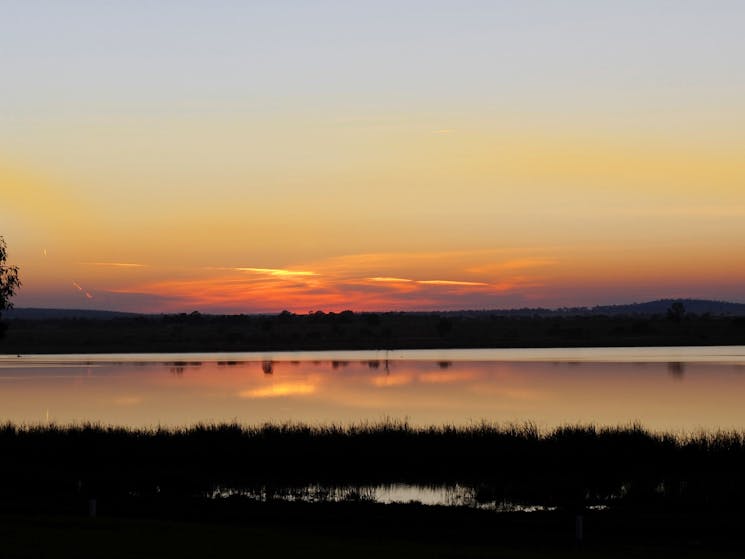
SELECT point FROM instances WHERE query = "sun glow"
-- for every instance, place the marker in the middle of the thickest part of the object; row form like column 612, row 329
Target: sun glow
column 357, row 177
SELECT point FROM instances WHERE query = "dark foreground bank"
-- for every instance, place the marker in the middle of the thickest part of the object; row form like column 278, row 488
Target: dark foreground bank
column 158, row 492
column 347, row 330
column 402, row 531
column 570, row 468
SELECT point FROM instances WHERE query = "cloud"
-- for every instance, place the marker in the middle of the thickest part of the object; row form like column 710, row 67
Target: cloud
column 399, row 265
column 390, row 280
column 116, row 264
column 277, row 272
column 229, row 294
column 87, row 294
column 453, row 282
column 358, row 282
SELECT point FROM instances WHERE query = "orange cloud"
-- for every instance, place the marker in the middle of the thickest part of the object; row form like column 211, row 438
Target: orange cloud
column 390, row 280
column 342, row 283
column 277, row 272
column 116, row 264
column 86, row 293
column 267, row 293
column 452, row 282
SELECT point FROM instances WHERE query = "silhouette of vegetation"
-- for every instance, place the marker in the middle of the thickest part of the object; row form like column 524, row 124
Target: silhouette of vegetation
column 348, row 330
column 570, row 467
column 661, row 491
column 676, row 312
column 9, row 282
column 235, row 527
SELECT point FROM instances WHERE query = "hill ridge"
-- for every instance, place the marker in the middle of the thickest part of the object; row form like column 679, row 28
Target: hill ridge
column 653, row 307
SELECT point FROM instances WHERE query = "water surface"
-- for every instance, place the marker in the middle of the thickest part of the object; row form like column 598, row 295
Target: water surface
column 679, row 389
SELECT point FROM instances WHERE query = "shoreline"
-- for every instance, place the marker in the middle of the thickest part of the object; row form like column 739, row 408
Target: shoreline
column 393, row 332
column 723, row 354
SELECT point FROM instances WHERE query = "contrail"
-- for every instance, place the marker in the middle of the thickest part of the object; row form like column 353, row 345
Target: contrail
column 87, row 293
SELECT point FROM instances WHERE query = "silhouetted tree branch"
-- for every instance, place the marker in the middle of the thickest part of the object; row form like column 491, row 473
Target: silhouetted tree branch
column 9, row 281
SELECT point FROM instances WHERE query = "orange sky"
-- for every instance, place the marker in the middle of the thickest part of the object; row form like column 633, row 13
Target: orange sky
column 447, row 158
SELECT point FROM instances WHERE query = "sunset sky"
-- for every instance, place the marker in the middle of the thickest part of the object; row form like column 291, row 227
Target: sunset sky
column 257, row 156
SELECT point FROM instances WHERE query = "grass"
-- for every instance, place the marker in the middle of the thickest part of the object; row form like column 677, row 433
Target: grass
column 570, row 467
column 670, row 496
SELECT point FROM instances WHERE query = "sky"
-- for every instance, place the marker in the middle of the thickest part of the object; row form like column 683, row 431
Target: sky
column 246, row 157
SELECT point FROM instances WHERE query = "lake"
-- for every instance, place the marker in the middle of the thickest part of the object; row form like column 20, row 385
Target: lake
column 679, row 389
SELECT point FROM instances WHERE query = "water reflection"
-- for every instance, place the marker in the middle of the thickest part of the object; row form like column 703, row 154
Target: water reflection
column 431, row 495
column 676, row 369
column 674, row 394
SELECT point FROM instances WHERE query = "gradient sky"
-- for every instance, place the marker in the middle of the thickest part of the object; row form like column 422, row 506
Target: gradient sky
column 259, row 156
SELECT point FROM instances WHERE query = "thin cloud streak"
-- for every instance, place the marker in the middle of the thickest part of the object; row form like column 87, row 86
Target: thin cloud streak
column 87, row 294
column 390, row 280
column 116, row 264
column 279, row 272
column 271, row 294
column 345, row 282
column 452, row 282
column 425, row 282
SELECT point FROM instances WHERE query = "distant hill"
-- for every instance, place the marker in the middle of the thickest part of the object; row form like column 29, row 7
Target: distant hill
column 649, row 308
column 45, row 314
column 660, row 306
column 692, row 322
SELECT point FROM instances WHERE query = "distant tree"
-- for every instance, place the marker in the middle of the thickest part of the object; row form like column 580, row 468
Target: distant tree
column 9, row 281
column 676, row 311
column 444, row 326
column 346, row 316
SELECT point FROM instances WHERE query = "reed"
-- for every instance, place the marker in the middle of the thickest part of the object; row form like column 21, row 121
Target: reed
column 570, row 466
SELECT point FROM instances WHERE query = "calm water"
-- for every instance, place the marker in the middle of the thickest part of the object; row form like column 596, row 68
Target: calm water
column 680, row 389
column 444, row 495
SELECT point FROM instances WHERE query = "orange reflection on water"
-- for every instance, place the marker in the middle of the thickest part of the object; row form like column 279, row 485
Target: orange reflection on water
column 396, row 379
column 277, row 390
column 678, row 395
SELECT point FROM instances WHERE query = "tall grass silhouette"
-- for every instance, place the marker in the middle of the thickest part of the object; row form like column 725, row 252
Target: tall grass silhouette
column 572, row 466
